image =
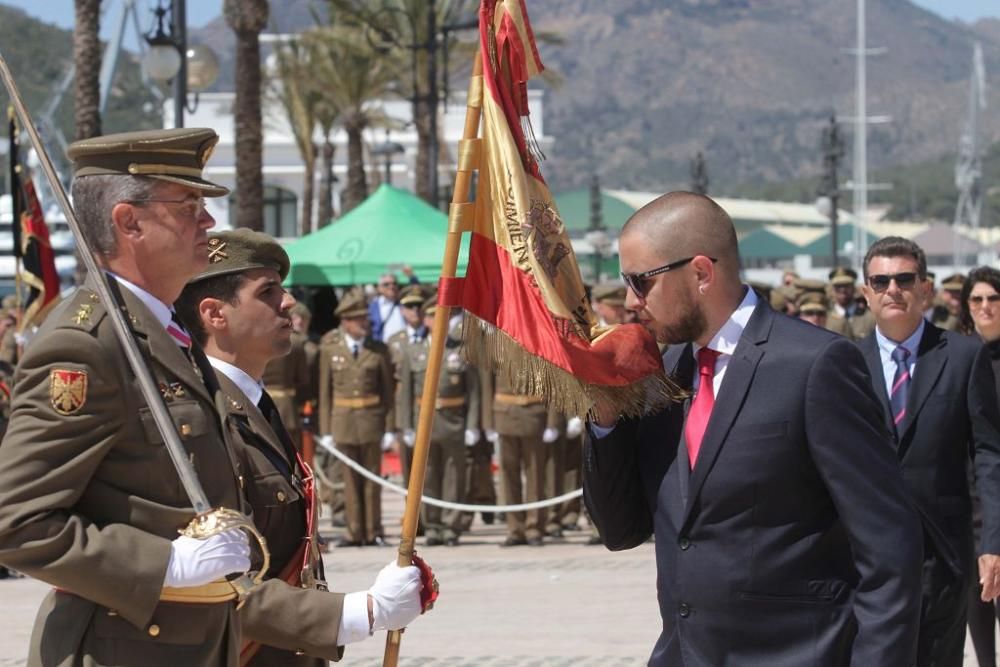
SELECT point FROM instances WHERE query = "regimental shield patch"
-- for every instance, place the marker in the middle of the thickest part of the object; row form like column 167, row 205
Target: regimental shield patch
column 67, row 390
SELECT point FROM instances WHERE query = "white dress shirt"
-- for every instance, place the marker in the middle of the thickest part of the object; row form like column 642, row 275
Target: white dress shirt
column 392, row 317
column 885, row 348
column 161, row 311
column 253, row 389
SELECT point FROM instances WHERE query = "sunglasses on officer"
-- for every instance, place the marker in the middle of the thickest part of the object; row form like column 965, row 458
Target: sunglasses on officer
column 639, row 283
column 880, row 281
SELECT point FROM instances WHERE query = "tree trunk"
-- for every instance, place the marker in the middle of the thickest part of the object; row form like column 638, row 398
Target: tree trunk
column 357, row 185
column 421, row 163
column 87, row 61
column 308, row 186
column 247, row 18
column 325, row 212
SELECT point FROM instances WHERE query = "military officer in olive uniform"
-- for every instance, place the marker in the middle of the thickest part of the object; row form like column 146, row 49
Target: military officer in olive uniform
column 456, row 426
column 413, row 335
column 356, row 395
column 948, row 304
column 90, row 502
column 237, row 309
column 289, row 384
column 518, row 422
column 813, row 293
column 845, row 303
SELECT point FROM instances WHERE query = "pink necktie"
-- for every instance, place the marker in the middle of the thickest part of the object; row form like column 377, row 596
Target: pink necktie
column 701, row 406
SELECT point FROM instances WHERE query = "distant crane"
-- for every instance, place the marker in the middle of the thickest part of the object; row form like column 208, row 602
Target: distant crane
column 968, row 169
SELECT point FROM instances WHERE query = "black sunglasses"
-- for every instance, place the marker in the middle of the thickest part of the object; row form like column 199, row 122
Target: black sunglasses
column 880, row 281
column 638, row 282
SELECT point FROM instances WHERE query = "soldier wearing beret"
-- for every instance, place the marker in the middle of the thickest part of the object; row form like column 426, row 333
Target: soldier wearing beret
column 413, row 335
column 456, row 426
column 356, row 395
column 90, row 502
column 237, row 309
column 846, row 303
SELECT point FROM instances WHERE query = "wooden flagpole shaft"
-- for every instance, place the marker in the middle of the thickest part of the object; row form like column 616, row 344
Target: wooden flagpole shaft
column 439, row 333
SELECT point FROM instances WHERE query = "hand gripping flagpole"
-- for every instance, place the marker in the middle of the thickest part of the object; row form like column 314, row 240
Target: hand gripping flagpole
column 207, row 521
column 459, row 220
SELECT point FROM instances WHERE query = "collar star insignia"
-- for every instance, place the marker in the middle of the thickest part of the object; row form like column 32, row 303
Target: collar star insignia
column 216, row 250
column 83, row 315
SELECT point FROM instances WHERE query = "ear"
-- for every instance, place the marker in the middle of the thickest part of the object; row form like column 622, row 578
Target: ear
column 212, row 317
column 704, row 270
column 125, row 221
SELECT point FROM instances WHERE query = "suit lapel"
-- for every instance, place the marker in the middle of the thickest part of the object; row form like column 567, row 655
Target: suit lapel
column 870, row 351
column 729, row 402
column 240, row 405
column 931, row 358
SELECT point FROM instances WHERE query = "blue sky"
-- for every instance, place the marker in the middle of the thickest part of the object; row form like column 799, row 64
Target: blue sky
column 201, row 12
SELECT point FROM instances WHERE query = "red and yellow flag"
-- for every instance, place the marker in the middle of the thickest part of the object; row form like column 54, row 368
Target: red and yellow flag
column 528, row 312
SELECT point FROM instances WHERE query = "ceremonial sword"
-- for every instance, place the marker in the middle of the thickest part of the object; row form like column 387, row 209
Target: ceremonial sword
column 207, row 521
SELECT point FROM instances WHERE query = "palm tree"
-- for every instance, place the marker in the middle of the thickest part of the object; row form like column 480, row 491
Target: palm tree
column 247, row 18
column 356, row 74
column 295, row 87
column 87, row 61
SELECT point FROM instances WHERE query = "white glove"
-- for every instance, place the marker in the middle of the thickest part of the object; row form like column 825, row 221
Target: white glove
column 574, row 427
column 387, row 440
column 326, row 440
column 492, row 436
column 196, row 562
column 471, row 436
column 395, row 597
column 409, row 437
column 550, row 435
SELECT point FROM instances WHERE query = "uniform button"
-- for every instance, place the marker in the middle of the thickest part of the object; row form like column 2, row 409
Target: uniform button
column 684, row 543
column 112, row 612
column 185, row 430
column 154, row 630
column 281, row 496
column 684, row 610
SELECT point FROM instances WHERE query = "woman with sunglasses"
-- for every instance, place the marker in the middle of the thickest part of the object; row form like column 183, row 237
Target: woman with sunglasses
column 980, row 303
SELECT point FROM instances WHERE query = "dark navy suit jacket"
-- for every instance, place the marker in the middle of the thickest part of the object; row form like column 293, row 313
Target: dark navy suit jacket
column 951, row 412
column 793, row 541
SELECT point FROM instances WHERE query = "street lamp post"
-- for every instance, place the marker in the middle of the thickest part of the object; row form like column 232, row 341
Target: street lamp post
column 169, row 58
column 387, row 149
column 596, row 234
column 829, row 189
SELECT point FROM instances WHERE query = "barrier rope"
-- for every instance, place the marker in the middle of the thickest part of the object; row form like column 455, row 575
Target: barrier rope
column 444, row 504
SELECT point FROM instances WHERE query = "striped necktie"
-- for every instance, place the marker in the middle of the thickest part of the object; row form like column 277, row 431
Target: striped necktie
column 178, row 332
column 900, row 386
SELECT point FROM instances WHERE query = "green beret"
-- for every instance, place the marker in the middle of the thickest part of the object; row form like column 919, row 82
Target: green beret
column 239, row 250
column 175, row 155
column 843, row 275
column 352, row 304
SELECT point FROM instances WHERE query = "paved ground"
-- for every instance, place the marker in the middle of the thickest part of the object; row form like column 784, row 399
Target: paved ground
column 561, row 604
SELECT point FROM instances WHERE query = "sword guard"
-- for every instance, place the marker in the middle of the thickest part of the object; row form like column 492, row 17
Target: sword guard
column 220, row 520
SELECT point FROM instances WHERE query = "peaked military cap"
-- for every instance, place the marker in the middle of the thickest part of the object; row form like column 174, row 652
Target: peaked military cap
column 430, row 305
column 843, row 275
column 812, row 302
column 175, row 155
column 412, row 295
column 807, row 285
column 352, row 304
column 955, row 281
column 610, row 293
column 238, row 250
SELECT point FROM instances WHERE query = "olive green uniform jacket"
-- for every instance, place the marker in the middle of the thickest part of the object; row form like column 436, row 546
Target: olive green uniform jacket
column 285, row 618
column 343, row 376
column 90, row 500
column 290, row 385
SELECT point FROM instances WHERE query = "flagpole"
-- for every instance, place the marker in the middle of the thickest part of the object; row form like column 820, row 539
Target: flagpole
column 439, row 333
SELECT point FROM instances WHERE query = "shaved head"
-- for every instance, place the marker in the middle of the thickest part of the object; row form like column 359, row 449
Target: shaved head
column 683, row 224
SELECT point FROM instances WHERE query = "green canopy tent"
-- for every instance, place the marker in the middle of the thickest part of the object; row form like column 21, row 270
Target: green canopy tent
column 820, row 248
column 764, row 244
column 389, row 229
column 574, row 209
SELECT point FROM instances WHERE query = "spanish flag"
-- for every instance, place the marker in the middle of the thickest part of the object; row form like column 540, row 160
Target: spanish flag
column 31, row 241
column 528, row 316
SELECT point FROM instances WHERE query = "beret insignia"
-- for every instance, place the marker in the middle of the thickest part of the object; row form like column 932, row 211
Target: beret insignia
column 67, row 390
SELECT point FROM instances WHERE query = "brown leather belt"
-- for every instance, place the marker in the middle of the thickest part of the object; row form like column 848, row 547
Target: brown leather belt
column 358, row 402
column 453, row 402
column 517, row 399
